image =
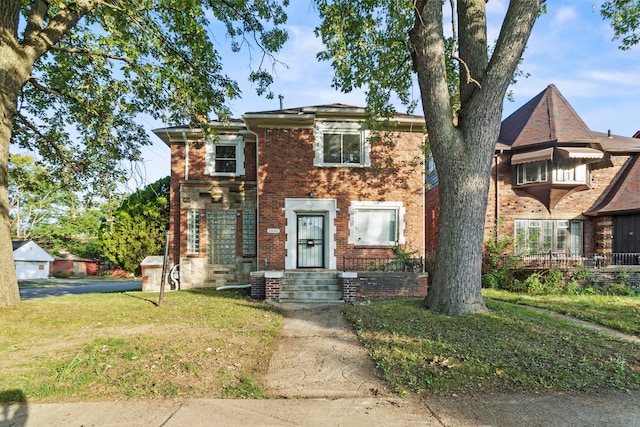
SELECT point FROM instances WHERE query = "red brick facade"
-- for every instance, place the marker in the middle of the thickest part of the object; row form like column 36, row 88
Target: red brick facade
column 282, row 179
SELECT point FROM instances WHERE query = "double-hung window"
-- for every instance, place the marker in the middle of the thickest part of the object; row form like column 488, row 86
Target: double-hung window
column 225, row 156
column 376, row 223
column 529, row 173
column 341, row 144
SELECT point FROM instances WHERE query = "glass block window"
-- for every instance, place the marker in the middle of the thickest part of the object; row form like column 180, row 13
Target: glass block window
column 248, row 233
column 193, row 231
column 221, row 225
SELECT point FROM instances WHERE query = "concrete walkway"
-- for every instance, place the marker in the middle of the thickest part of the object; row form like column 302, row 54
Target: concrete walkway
column 322, row 376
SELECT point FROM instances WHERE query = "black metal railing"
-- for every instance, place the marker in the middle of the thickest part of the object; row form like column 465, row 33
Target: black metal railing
column 413, row 265
column 563, row 261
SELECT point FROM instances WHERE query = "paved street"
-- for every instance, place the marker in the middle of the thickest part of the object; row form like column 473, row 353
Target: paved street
column 61, row 287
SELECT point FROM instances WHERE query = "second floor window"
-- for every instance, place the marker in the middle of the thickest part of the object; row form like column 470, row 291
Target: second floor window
column 225, row 156
column 570, row 171
column 342, row 148
column 529, row 173
column 341, row 144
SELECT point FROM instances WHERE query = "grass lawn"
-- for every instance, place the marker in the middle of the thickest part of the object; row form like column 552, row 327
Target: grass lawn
column 510, row 349
column 618, row 312
column 201, row 343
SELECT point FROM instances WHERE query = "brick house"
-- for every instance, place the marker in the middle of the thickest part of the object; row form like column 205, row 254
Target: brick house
column 290, row 190
column 557, row 187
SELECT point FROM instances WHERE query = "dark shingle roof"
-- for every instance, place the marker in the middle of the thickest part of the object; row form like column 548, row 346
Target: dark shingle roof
column 548, row 117
column 622, row 195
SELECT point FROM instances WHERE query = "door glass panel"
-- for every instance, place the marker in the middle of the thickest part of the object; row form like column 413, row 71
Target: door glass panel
column 310, row 241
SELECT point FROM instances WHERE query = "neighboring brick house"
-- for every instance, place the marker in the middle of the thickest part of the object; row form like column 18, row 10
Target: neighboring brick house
column 291, row 189
column 561, row 187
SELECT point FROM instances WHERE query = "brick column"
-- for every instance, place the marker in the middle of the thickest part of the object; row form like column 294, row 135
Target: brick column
column 272, row 283
column 349, row 282
column 258, row 290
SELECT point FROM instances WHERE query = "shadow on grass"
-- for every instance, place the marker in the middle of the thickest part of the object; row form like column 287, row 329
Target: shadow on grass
column 15, row 410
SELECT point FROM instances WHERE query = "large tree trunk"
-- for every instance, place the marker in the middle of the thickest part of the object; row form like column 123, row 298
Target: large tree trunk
column 9, row 294
column 463, row 147
column 17, row 58
column 15, row 68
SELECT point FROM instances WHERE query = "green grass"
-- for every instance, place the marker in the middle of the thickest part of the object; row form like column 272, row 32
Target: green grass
column 618, row 312
column 201, row 343
column 510, row 349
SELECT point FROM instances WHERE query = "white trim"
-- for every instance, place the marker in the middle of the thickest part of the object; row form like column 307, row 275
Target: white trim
column 341, row 127
column 292, row 207
column 228, row 140
column 357, row 205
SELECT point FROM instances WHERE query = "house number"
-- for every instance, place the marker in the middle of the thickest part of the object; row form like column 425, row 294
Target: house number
column 273, row 230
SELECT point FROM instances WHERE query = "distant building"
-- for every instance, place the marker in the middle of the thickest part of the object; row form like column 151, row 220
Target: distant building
column 32, row 262
column 558, row 187
column 70, row 265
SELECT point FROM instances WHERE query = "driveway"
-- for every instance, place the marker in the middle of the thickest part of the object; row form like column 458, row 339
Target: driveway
column 59, row 287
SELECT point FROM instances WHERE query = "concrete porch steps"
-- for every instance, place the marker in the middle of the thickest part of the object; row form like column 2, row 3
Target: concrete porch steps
column 310, row 287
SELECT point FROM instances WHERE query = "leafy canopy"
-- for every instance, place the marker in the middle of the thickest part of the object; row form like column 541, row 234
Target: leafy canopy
column 124, row 58
column 625, row 20
column 138, row 227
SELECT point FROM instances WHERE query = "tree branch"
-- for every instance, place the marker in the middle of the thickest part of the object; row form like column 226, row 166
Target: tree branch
column 46, row 139
column 454, row 29
column 40, row 41
column 85, row 52
column 36, row 18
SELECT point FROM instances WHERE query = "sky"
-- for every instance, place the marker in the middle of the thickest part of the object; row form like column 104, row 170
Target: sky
column 571, row 46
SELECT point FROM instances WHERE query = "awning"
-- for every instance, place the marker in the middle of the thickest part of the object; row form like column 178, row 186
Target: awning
column 532, row 156
column 579, row 153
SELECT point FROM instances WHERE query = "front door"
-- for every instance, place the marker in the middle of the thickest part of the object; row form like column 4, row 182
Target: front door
column 625, row 236
column 310, row 241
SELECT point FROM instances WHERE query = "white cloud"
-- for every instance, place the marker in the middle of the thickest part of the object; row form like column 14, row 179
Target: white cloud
column 564, row 15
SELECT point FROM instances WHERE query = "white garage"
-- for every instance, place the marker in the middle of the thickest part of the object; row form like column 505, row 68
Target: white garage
column 32, row 262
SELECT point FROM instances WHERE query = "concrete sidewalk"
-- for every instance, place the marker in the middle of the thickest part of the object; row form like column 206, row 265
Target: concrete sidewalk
column 322, row 376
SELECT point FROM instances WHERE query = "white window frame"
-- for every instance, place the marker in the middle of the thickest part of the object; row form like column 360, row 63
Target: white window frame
column 236, row 141
column 539, row 169
column 548, row 232
column 360, row 237
column 323, row 128
column 571, row 171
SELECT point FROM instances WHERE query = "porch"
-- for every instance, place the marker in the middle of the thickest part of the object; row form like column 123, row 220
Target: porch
column 568, row 261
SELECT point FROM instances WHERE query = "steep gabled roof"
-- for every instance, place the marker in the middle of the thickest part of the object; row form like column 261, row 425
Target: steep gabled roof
column 547, row 118
column 622, row 195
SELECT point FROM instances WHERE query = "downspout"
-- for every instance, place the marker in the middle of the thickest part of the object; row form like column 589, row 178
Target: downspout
column 257, row 199
column 186, row 156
